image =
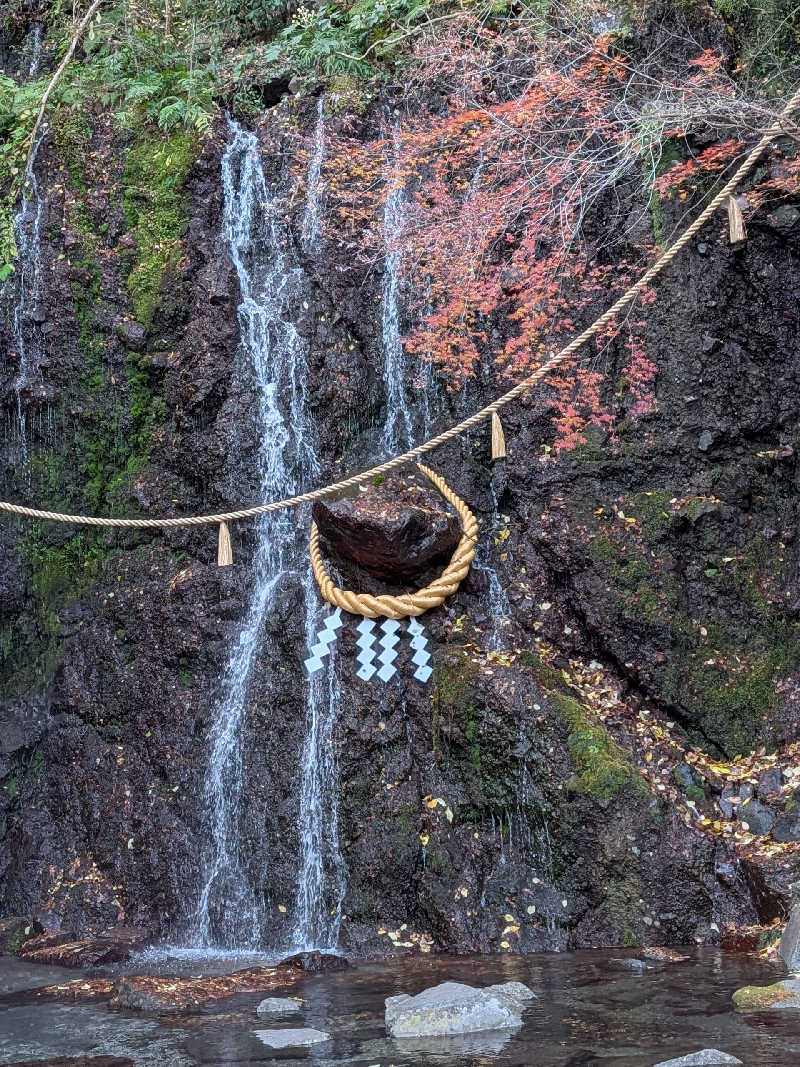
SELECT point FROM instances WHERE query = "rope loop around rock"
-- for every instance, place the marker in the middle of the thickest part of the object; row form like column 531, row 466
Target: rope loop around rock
column 406, row 604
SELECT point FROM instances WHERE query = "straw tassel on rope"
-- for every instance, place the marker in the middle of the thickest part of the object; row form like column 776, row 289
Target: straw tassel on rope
column 224, row 549
column 498, row 438
column 736, row 225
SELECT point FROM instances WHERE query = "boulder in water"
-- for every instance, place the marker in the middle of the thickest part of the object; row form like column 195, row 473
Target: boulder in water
column 63, row 949
column 291, row 1038
column 696, row 1059
column 779, row 996
column 455, row 1008
column 394, row 530
column 279, row 1006
column 171, row 995
column 315, row 962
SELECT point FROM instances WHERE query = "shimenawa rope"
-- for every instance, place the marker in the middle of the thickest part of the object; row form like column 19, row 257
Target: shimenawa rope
column 546, row 368
column 399, row 607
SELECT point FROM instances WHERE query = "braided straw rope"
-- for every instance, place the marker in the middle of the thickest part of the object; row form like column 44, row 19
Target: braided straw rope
column 775, row 129
column 398, row 607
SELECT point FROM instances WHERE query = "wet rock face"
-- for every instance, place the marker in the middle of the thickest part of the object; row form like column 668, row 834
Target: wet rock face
column 394, row 530
column 104, row 740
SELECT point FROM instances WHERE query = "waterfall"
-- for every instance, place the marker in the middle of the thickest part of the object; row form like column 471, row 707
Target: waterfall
column 230, row 910
column 311, row 215
column 321, row 882
column 33, row 50
column 499, row 607
column 321, row 885
column 24, row 288
column 398, row 425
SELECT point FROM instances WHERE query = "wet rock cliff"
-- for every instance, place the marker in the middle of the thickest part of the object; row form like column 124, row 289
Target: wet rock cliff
column 635, row 602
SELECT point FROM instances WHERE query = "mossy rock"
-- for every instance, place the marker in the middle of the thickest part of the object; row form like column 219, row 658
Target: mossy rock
column 763, row 998
column 14, row 932
column 603, row 769
column 155, row 205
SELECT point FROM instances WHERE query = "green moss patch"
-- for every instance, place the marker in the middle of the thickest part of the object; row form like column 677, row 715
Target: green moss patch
column 454, row 674
column 154, row 201
column 760, row 998
column 603, row 769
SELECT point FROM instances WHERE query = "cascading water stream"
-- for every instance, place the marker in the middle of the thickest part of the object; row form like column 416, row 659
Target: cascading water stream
column 321, row 886
column 398, row 428
column 321, row 883
column 24, row 287
column 311, row 215
column 230, row 908
column 499, row 606
column 33, row 50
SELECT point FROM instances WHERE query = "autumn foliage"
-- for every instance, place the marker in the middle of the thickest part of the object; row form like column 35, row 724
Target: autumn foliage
column 513, row 196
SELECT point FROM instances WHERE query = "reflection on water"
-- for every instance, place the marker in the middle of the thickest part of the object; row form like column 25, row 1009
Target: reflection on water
column 590, row 1011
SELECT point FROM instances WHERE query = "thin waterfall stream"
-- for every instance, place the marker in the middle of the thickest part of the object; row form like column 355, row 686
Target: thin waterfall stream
column 24, row 287
column 398, row 428
column 321, row 883
column 230, row 910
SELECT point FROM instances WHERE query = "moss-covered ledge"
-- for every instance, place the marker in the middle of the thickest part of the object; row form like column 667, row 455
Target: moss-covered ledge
column 782, row 995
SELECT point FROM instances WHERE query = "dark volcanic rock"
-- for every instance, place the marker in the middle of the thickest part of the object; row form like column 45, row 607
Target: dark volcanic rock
column 769, row 782
column 787, row 826
column 394, row 530
column 315, row 962
column 759, row 818
column 64, row 950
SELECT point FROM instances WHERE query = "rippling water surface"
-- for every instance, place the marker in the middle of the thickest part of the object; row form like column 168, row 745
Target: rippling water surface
column 590, row 1011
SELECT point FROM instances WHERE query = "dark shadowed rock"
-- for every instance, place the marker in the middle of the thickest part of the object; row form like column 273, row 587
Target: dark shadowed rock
column 314, row 962
column 787, row 826
column 759, row 818
column 769, row 782
column 65, row 950
column 394, row 530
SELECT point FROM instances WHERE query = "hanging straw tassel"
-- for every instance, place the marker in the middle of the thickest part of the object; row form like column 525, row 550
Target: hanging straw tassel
column 498, row 438
column 224, row 549
column 736, row 225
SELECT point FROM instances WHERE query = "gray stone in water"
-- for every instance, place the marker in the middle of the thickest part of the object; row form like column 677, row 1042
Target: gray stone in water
column 278, row 1006
column 291, row 1038
column 455, row 1008
column 789, row 946
column 695, row 1059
